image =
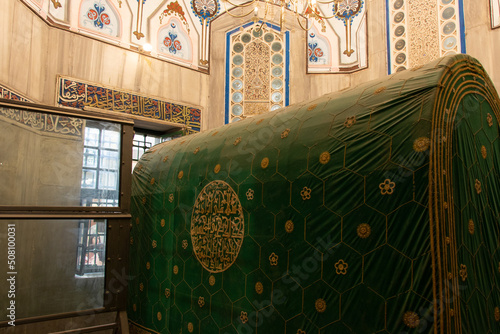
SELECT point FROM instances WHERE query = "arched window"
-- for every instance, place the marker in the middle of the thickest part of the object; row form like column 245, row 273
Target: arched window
column 256, row 70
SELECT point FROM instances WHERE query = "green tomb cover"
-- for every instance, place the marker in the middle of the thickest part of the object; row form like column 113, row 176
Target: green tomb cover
column 370, row 210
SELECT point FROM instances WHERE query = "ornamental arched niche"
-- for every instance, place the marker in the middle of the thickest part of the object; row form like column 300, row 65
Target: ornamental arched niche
column 99, row 17
column 338, row 39
column 174, row 42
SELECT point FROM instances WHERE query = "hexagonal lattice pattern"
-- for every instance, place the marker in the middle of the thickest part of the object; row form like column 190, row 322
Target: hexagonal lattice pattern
column 347, row 224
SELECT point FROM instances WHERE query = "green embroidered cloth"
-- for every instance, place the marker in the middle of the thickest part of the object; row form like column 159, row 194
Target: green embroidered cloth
column 371, row 210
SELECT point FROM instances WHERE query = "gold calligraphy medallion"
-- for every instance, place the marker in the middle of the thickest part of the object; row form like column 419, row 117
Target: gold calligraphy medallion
column 217, row 226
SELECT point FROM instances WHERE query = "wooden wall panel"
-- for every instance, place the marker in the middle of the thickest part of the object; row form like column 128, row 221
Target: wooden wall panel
column 32, row 55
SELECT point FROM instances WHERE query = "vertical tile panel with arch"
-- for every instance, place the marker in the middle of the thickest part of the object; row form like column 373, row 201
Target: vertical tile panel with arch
column 257, row 70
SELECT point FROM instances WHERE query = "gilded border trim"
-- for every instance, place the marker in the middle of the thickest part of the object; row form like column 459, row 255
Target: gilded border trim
column 462, row 77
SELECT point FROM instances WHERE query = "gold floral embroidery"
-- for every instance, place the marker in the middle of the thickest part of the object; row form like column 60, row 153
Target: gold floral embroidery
column 154, row 244
column 259, row 288
column 237, row 141
column 190, row 327
column 364, row 230
column 167, row 293
column 249, row 194
column 264, row 163
column 320, row 305
column 477, row 185
column 211, row 280
column 285, row 133
column 421, row 144
column 138, row 167
column 171, row 198
column 379, row 90
column 463, row 272
column 201, row 301
column 217, row 169
column 180, row 175
column 497, row 314
column 289, row 226
column 184, row 244
column 450, row 276
column 165, row 159
column 350, row 121
column 153, row 180
column 452, row 312
column 471, row 226
column 341, row 267
column 312, row 107
column 387, row 187
column 259, row 121
column 489, row 118
column 141, row 287
column 162, row 223
column 213, row 134
column 445, row 205
column 176, row 270
column 243, row 317
column 305, row 193
column 324, row 158
column 273, row 259
column 483, row 152
column 411, row 319
column 300, row 331
column 158, row 316
column 144, row 200
column 196, row 150
column 131, row 240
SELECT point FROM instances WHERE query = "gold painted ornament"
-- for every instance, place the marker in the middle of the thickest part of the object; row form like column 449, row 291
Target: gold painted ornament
column 320, row 305
column 411, row 319
column 364, row 230
column 421, row 144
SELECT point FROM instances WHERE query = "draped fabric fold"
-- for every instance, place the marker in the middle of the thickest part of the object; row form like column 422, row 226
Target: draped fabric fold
column 371, row 210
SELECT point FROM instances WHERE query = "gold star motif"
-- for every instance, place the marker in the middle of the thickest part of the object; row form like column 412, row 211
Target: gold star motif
column 411, row 319
column 477, row 185
column 471, row 226
column 421, row 144
column 341, row 267
column 387, row 187
column 305, row 193
column 259, row 288
column 264, row 163
column 463, row 272
column 243, row 317
column 324, row 158
column 350, row 121
column 320, row 305
column 273, row 259
column 289, row 226
column 364, row 230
